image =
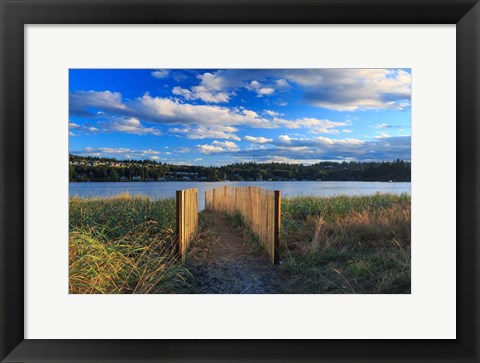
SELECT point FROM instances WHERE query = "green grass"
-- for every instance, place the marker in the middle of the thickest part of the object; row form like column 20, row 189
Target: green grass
column 347, row 244
column 123, row 244
column 340, row 244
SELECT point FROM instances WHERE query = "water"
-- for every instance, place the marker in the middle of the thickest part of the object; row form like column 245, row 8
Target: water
column 288, row 188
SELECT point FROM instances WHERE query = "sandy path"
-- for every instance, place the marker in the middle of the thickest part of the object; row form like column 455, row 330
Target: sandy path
column 223, row 262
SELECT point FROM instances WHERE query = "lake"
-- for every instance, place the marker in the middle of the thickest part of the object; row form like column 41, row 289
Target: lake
column 287, row 188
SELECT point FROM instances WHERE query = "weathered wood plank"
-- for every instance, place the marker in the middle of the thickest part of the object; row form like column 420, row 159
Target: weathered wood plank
column 260, row 210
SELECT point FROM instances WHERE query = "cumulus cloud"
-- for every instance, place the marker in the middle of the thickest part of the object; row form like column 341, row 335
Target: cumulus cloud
column 308, row 150
column 210, row 90
column 81, row 103
column 220, row 86
column 314, row 125
column 335, row 89
column 255, row 86
column 323, row 148
column 217, row 147
column 257, row 140
column 281, row 83
column 160, row 73
column 208, row 149
column 389, row 126
column 272, row 113
column 202, row 93
column 354, row 89
column 129, row 125
column 119, row 153
column 207, row 132
column 87, row 128
column 230, row 145
column 167, row 111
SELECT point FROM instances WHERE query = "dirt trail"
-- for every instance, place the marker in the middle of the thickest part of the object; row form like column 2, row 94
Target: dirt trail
column 223, row 262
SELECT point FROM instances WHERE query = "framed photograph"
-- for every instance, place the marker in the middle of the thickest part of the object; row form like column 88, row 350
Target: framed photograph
column 239, row 181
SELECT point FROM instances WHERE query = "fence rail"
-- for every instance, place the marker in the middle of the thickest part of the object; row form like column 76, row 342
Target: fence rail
column 187, row 218
column 259, row 208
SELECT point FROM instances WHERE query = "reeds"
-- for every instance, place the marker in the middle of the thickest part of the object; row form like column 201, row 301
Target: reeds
column 347, row 244
column 123, row 245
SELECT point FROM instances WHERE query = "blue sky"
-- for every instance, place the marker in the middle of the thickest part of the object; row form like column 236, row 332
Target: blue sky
column 222, row 116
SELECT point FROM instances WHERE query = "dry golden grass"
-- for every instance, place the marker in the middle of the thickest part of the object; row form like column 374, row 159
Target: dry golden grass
column 123, row 245
column 359, row 250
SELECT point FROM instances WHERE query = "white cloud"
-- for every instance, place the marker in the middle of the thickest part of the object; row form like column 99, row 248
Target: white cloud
column 323, row 148
column 257, row 140
column 230, row 145
column 281, row 83
column 389, row 126
column 314, row 125
column 151, row 151
column 161, row 73
column 120, row 153
column 164, row 110
column 129, row 125
column 81, row 101
column 284, row 138
column 291, row 160
column 212, row 81
column 336, row 89
column 346, row 130
column 265, row 91
column 185, row 93
column 192, row 121
column 208, row 149
column 255, row 86
column 210, row 90
column 272, row 113
column 217, row 147
column 354, row 89
column 207, row 132
column 167, row 111
column 202, row 93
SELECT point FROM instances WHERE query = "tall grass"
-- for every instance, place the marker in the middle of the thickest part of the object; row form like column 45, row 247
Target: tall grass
column 347, row 244
column 123, row 244
column 118, row 215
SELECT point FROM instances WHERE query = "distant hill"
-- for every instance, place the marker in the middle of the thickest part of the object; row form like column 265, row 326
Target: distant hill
column 107, row 169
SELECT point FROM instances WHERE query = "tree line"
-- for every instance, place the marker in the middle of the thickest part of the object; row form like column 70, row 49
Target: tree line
column 89, row 168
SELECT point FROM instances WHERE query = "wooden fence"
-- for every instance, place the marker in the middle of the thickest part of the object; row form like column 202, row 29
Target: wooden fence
column 259, row 208
column 187, row 218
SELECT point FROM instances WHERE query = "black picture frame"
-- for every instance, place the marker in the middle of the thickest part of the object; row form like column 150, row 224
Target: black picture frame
column 17, row 13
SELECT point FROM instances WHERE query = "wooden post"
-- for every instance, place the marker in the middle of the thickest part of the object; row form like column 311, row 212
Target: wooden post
column 180, row 220
column 276, row 235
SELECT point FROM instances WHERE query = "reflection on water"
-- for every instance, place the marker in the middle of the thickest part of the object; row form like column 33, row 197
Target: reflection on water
column 288, row 188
